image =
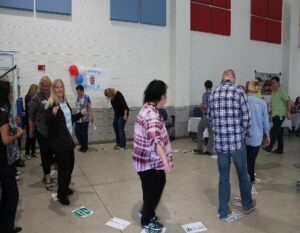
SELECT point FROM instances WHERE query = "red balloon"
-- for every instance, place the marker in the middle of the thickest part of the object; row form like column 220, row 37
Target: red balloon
column 73, row 70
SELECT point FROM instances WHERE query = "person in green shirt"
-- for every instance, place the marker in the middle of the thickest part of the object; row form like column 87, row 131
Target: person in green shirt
column 280, row 109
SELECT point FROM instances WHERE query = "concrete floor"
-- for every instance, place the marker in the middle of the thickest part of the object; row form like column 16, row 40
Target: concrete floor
column 104, row 181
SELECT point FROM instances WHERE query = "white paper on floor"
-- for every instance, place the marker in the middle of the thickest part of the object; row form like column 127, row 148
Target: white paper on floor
column 163, row 230
column 237, row 201
column 175, row 151
column 54, row 196
column 188, row 151
column 194, row 227
column 214, row 156
column 118, row 223
column 82, row 212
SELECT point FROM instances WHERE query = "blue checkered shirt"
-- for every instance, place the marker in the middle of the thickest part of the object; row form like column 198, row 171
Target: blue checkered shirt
column 229, row 115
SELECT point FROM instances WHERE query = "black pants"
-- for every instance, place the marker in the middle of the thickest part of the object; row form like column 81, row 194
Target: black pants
column 30, row 142
column 252, row 152
column 9, row 199
column 65, row 165
column 153, row 183
column 277, row 133
column 46, row 154
column 81, row 131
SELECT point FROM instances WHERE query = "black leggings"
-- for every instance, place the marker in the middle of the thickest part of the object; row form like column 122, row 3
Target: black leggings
column 9, row 198
column 46, row 154
column 153, row 183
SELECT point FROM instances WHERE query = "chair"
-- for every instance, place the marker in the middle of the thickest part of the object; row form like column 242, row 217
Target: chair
column 169, row 123
column 197, row 112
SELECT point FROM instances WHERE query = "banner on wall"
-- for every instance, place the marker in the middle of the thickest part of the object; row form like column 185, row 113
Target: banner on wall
column 264, row 80
column 94, row 80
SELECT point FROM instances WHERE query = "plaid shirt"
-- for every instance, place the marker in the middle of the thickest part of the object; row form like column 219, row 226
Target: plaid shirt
column 149, row 130
column 229, row 115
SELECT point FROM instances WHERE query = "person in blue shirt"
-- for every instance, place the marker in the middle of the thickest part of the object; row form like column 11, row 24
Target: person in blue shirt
column 259, row 126
column 204, row 123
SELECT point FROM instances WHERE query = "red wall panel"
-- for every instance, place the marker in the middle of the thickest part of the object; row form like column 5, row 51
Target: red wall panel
column 258, row 28
column 208, row 2
column 274, row 31
column 221, row 21
column 200, row 17
column 222, row 3
column 275, row 9
column 259, row 7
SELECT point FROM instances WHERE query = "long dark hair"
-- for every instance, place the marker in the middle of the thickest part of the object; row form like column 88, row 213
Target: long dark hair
column 154, row 91
column 4, row 94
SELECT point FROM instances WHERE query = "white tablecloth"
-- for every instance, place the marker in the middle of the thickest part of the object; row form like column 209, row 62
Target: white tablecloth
column 285, row 124
column 295, row 119
column 193, row 126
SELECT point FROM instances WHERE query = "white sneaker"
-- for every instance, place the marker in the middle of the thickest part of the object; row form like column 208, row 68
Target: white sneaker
column 231, row 217
column 52, row 173
column 257, row 181
column 253, row 190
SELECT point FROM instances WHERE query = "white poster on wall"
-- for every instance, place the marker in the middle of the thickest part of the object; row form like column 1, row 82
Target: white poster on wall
column 94, row 80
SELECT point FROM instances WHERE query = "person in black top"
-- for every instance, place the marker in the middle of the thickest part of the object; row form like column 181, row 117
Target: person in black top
column 30, row 142
column 39, row 129
column 121, row 115
column 9, row 134
column 59, row 119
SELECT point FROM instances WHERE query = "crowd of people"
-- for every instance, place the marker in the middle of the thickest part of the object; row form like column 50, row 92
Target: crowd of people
column 237, row 119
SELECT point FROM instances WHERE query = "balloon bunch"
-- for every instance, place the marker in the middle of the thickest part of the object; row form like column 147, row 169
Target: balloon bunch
column 74, row 72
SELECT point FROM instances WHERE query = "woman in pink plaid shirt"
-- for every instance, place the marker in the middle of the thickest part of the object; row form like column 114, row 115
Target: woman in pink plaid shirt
column 152, row 155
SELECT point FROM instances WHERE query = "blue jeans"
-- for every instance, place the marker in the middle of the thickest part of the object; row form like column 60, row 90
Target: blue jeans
column 239, row 158
column 119, row 128
column 81, row 131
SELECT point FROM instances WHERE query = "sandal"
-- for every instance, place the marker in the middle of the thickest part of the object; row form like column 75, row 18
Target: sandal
column 49, row 185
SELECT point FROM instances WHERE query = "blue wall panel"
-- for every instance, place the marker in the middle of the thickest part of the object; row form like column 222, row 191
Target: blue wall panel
column 153, row 12
column 55, row 6
column 125, row 10
column 17, row 4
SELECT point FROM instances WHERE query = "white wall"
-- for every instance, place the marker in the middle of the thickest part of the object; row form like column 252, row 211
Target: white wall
column 134, row 53
column 212, row 54
column 291, row 52
column 137, row 53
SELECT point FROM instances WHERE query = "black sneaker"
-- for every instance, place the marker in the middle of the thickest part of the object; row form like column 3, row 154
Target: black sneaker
column 153, row 226
column 197, row 151
column 207, row 153
column 17, row 229
column 277, row 151
column 267, row 149
column 64, row 201
column 70, row 192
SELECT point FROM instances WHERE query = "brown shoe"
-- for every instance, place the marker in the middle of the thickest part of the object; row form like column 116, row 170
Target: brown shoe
column 252, row 208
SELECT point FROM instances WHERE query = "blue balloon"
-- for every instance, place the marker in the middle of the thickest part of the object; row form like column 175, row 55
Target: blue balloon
column 78, row 79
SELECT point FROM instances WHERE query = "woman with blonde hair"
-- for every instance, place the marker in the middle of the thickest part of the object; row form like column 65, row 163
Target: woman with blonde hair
column 59, row 119
column 121, row 110
column 39, row 129
column 30, row 142
column 259, row 126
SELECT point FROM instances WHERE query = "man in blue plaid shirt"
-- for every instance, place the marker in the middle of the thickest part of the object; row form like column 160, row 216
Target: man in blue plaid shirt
column 229, row 115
